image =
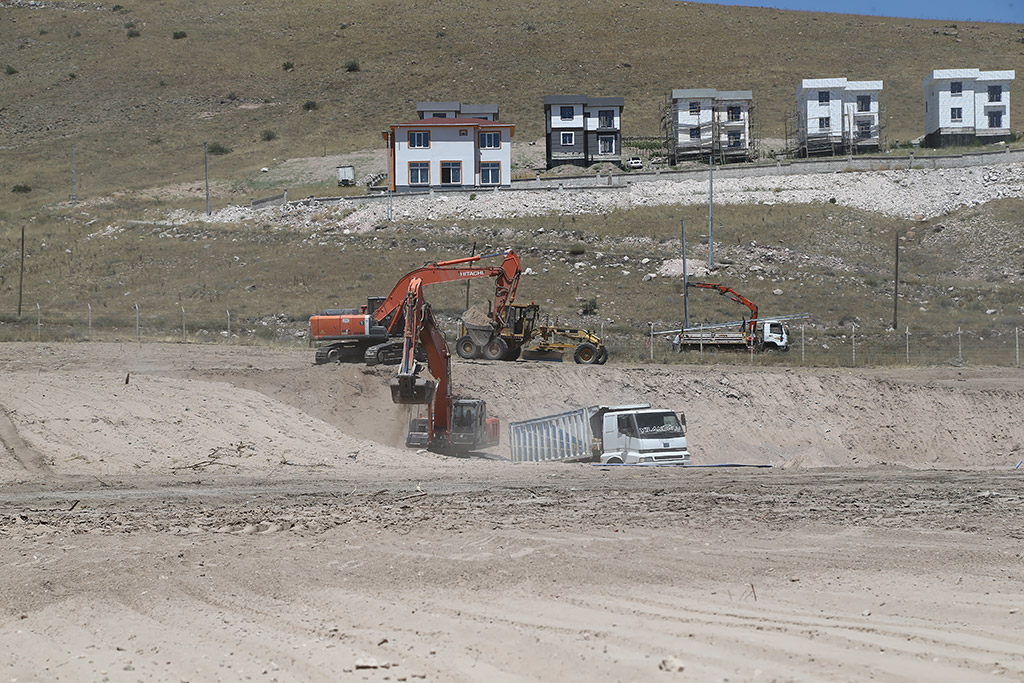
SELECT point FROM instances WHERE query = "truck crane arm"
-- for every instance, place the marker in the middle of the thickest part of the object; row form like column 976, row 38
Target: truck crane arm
column 735, row 296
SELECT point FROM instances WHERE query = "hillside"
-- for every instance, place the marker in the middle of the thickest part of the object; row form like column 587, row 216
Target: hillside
column 138, row 102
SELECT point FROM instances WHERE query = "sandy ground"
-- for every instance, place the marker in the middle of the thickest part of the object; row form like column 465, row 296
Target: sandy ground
column 216, row 513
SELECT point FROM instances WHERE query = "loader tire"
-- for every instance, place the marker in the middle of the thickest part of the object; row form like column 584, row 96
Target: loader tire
column 514, row 353
column 494, row 349
column 467, row 348
column 586, row 354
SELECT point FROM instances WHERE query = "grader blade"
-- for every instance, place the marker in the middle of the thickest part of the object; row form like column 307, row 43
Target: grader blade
column 407, row 389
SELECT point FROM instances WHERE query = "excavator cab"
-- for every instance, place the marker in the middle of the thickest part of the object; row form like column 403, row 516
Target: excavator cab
column 471, row 428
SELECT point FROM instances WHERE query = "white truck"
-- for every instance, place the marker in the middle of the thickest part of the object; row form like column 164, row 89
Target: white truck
column 614, row 435
column 767, row 335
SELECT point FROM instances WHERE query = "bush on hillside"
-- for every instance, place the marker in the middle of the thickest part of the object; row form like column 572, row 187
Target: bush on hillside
column 268, row 135
column 288, row 66
column 309, row 105
column 10, row 70
column 217, row 149
column 134, row 33
column 21, row 189
column 178, row 35
column 352, row 65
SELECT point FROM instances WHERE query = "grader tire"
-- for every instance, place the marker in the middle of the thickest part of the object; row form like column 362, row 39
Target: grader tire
column 586, row 354
column 602, row 356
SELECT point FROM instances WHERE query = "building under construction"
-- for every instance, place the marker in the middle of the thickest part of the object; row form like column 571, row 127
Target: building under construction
column 704, row 122
column 835, row 116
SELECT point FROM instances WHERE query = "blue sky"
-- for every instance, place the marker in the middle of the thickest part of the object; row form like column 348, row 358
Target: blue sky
column 1007, row 11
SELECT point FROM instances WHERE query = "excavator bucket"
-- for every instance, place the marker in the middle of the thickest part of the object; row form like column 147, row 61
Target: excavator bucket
column 406, row 389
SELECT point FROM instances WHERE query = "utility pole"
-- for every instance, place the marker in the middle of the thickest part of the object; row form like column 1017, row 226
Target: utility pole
column 711, row 209
column 206, row 170
column 74, row 191
column 686, row 287
column 21, row 271
column 896, row 284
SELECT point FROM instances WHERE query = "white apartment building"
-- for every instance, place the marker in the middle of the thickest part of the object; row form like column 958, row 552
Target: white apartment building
column 962, row 106
column 705, row 121
column 449, row 153
column 837, row 116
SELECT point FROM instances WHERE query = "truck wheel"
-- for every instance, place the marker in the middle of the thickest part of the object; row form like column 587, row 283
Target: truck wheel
column 494, row 349
column 467, row 348
column 602, row 356
column 586, row 353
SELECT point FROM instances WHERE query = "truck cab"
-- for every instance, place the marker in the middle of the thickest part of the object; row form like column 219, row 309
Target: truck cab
column 644, row 436
column 774, row 335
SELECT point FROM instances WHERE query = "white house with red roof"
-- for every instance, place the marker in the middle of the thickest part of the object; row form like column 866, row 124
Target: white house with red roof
column 449, row 153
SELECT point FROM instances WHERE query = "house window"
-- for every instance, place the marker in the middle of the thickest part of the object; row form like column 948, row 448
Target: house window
column 824, row 97
column 995, row 119
column 956, row 88
column 734, row 139
column 863, row 130
column 695, row 107
column 419, row 139
column 863, row 102
column 733, row 113
column 824, row 123
column 490, row 173
column 606, row 144
column 995, row 94
column 695, row 133
column 566, row 113
column 490, row 140
column 451, row 172
column 463, row 132
column 606, row 118
column 419, row 172
column 956, row 114
column 568, row 139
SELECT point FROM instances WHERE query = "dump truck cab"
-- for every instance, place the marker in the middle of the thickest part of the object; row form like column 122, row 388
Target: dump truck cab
column 643, row 435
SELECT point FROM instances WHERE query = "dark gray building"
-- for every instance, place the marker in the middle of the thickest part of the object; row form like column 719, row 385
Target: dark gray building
column 583, row 130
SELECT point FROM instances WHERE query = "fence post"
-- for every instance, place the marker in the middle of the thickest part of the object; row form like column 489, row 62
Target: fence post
column 959, row 347
column 183, row 339
column 802, row 357
column 229, row 326
column 90, row 321
column 1016, row 344
column 138, row 333
column 908, row 344
column 652, row 340
column 853, row 341
column 39, row 324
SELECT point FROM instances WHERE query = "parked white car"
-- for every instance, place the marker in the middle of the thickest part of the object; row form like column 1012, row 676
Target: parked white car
column 634, row 162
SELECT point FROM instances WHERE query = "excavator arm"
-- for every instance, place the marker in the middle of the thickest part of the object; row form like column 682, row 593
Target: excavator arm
column 506, row 280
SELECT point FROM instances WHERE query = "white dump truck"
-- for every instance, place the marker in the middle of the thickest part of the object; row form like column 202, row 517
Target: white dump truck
column 626, row 435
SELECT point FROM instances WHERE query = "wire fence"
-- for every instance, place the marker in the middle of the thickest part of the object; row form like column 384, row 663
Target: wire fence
column 810, row 345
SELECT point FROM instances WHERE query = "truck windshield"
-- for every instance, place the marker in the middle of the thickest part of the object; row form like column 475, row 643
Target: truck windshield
column 659, row 425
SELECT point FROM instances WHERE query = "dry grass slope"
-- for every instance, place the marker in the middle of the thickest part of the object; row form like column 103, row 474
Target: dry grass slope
column 139, row 108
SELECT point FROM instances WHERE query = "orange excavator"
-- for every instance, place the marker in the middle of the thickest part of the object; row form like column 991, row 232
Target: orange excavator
column 453, row 425
column 369, row 332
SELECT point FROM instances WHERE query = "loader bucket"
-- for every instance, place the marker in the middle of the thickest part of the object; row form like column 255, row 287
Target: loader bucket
column 410, row 389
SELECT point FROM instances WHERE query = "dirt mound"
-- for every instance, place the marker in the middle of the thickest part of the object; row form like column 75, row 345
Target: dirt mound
column 112, row 410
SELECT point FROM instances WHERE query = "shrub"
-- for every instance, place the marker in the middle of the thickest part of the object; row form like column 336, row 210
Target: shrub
column 232, row 96
column 268, row 135
column 178, row 35
column 352, row 65
column 577, row 250
column 217, row 149
column 309, row 105
column 21, row 189
column 589, row 307
column 10, row 70
column 134, row 33
column 288, row 66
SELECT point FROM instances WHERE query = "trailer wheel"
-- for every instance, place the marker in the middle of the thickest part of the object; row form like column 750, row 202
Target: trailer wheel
column 602, row 356
column 494, row 349
column 467, row 348
column 586, row 353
